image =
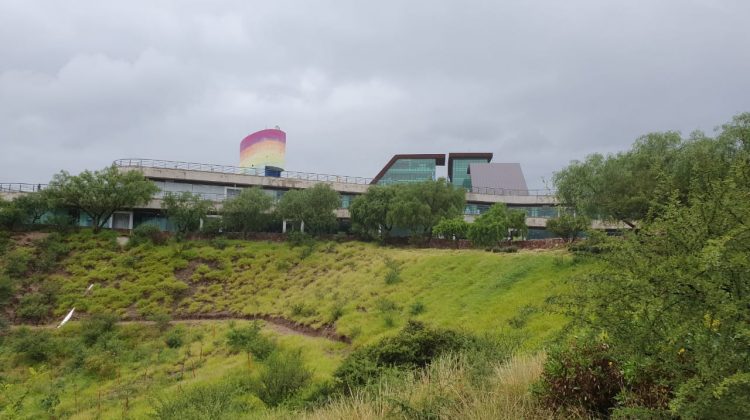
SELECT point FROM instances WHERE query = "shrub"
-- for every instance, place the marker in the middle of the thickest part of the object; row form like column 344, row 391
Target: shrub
column 174, row 339
column 100, row 364
column 98, row 326
column 34, row 307
column 161, row 320
column 34, row 346
column 416, row 308
column 17, row 262
column 61, row 223
column 584, row 375
column 283, row 376
column 392, row 277
column 222, row 400
column 213, row 226
column 336, row 312
column 413, row 347
column 4, row 242
column 299, row 238
column 250, row 340
column 219, row 242
column 147, row 232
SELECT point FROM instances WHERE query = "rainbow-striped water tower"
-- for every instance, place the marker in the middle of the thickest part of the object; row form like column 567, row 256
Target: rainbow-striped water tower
column 264, row 151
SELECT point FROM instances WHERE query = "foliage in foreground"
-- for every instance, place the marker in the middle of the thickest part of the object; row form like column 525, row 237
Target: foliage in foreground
column 671, row 301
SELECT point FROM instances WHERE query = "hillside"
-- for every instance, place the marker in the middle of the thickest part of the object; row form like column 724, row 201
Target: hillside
column 314, row 299
column 361, row 290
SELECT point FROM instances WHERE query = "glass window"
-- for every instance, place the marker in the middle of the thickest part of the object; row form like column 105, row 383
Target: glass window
column 409, row 170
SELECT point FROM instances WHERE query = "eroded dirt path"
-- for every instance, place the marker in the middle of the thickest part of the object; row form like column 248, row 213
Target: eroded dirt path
column 278, row 324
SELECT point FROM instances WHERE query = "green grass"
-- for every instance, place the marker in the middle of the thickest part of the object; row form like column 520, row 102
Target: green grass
column 366, row 290
column 144, row 369
column 362, row 290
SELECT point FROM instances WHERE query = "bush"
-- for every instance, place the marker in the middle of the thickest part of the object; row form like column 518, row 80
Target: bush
column 148, row 233
column 162, row 321
column 98, row 326
column 223, row 400
column 250, row 340
column 581, row 375
column 413, row 347
column 61, row 223
column 17, row 262
column 416, row 308
column 174, row 339
column 283, row 376
column 34, row 346
column 299, row 238
column 34, row 307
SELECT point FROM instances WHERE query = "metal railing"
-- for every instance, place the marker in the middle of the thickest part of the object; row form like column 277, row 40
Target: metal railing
column 237, row 170
column 506, row 191
column 21, row 187
column 305, row 176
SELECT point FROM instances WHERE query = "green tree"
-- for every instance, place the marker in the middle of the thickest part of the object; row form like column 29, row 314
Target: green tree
column 491, row 228
column 568, row 225
column 313, row 206
column 669, row 303
column 33, row 206
column 453, row 229
column 100, row 193
column 11, row 217
column 517, row 224
column 418, row 207
column 369, row 212
column 248, row 212
column 185, row 210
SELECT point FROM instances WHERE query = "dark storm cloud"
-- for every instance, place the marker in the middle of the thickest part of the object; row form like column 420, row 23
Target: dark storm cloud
column 540, row 83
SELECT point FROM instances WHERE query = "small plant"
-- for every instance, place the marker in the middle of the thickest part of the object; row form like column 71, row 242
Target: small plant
column 336, row 312
column 417, row 308
column 299, row 238
column 147, row 232
column 17, row 262
column 219, row 242
column 174, row 338
column 283, row 376
column 161, row 320
column 392, row 277
column 250, row 340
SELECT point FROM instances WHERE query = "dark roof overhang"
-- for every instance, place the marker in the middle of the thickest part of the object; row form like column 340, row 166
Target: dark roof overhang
column 439, row 159
column 451, row 156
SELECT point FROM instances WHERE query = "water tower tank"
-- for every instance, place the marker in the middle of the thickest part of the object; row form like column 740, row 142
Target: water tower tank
column 264, row 149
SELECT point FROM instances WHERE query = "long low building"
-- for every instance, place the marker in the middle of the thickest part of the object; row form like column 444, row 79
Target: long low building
column 485, row 183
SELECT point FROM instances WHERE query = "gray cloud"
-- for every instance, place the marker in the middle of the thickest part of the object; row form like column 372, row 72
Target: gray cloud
column 352, row 83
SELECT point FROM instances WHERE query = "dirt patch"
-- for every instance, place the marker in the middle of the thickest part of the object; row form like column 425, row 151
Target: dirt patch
column 27, row 238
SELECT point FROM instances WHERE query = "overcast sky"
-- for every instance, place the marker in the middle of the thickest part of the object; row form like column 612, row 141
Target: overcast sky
column 354, row 82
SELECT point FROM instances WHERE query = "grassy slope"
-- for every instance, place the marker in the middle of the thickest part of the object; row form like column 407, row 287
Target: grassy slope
column 341, row 283
column 145, row 369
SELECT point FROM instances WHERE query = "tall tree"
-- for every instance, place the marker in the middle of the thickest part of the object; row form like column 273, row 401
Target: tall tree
column 369, row 212
column 185, row 210
column 100, row 193
column 568, row 225
column 420, row 206
column 314, row 207
column 33, row 206
column 248, row 212
column 492, row 227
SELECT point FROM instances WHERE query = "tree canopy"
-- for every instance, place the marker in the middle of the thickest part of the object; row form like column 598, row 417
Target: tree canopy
column 494, row 226
column 629, row 186
column 418, row 207
column 248, row 212
column 100, row 193
column 369, row 212
column 185, row 210
column 668, row 305
column 313, row 206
